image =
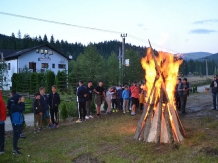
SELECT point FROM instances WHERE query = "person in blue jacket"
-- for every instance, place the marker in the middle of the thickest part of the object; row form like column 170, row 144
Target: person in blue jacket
column 126, row 97
column 17, row 108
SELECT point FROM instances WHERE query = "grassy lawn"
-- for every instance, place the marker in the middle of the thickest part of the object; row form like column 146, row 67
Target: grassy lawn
column 110, row 139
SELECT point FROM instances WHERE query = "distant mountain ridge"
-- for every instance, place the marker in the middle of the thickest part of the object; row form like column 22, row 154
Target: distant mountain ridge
column 195, row 55
column 211, row 57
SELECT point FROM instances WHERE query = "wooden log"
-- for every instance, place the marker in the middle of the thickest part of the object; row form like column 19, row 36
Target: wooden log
column 159, row 112
column 141, row 133
column 181, row 128
column 150, row 113
column 168, row 125
column 176, row 123
column 141, row 122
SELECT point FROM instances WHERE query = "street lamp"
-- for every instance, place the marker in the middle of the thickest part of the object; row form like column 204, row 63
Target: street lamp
column 70, row 57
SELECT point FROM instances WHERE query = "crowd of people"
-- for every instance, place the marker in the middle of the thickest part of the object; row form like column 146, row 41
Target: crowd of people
column 125, row 99
column 118, row 99
column 41, row 105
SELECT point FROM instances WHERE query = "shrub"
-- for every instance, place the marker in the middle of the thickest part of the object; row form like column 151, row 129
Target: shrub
column 61, row 80
column 33, row 82
column 93, row 107
column 64, row 113
column 105, row 105
column 72, row 109
column 50, row 78
column 41, row 80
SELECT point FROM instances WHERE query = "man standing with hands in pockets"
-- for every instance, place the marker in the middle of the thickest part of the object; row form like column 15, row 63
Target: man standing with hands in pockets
column 99, row 97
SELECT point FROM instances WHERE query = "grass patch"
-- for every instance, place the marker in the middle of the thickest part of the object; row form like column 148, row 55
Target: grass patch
column 110, row 140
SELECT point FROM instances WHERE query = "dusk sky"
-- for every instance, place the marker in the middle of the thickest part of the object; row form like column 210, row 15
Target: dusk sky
column 171, row 25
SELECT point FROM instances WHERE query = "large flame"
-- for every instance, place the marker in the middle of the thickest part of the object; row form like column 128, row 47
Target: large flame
column 169, row 66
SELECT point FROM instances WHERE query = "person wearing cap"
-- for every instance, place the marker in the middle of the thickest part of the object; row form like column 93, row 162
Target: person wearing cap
column 37, row 109
column 214, row 89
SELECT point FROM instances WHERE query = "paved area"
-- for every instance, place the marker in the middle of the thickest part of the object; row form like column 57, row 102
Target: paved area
column 29, row 118
column 201, row 89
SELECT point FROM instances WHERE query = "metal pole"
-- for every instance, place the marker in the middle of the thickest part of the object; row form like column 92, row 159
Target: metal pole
column 120, row 66
column 206, row 68
column 123, row 55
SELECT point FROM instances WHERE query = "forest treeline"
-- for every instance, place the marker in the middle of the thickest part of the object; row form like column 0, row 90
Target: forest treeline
column 104, row 54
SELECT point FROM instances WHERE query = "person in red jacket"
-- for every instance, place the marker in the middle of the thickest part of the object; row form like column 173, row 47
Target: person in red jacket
column 2, row 124
column 135, row 97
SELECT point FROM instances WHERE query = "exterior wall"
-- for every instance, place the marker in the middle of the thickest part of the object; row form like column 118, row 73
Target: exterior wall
column 38, row 58
column 9, row 73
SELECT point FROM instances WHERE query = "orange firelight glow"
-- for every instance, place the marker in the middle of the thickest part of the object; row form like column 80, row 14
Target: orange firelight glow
column 169, row 67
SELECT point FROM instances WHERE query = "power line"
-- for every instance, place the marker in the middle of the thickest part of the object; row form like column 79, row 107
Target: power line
column 84, row 27
column 60, row 23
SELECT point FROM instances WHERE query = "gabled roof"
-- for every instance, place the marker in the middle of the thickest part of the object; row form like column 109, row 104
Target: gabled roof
column 7, row 52
column 14, row 54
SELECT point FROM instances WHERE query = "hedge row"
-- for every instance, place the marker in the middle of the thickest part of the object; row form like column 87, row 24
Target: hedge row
column 31, row 81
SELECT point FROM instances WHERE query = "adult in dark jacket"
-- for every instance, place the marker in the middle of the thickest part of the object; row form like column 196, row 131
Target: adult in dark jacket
column 45, row 107
column 81, row 98
column 89, row 100
column 183, row 92
column 10, row 102
column 120, row 98
column 177, row 97
column 214, row 89
column 53, row 102
column 17, row 109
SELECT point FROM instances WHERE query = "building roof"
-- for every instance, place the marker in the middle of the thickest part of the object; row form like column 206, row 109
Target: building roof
column 7, row 52
column 13, row 54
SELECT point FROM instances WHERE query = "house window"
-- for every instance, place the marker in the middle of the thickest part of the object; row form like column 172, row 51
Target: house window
column 9, row 66
column 61, row 66
column 46, row 51
column 42, row 51
column 37, row 50
column 44, row 65
column 31, row 65
column 53, row 65
column 51, row 52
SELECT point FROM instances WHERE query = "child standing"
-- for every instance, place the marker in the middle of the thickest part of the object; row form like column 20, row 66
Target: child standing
column 54, row 101
column 17, row 119
column 114, row 99
column 37, row 113
column 125, row 96
column 108, row 99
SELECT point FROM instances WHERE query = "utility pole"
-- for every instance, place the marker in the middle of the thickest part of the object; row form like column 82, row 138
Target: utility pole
column 206, row 68
column 123, row 56
column 120, row 66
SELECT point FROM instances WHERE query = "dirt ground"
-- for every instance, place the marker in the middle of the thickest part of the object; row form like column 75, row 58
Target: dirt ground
column 200, row 105
column 196, row 78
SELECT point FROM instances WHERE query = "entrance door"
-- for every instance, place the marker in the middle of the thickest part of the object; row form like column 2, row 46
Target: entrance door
column 32, row 65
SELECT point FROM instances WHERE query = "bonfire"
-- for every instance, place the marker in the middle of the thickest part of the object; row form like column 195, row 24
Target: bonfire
column 160, row 122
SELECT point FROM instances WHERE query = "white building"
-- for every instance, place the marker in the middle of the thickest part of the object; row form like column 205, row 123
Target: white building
column 36, row 59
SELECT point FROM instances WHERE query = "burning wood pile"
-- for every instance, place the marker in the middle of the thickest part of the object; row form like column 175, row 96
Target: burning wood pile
column 160, row 122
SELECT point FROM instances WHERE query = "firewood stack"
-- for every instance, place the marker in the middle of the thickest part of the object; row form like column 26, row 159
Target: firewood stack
column 159, row 122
